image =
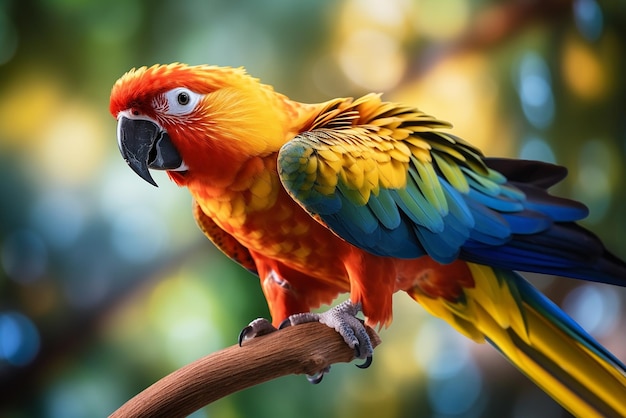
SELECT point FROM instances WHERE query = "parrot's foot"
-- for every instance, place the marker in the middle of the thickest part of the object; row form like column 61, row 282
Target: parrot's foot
column 256, row 328
column 342, row 318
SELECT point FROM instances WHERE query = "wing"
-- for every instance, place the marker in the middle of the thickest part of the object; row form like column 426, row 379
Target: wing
column 223, row 240
column 387, row 179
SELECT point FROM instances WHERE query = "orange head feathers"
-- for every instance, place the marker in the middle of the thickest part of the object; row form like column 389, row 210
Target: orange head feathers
column 138, row 87
column 196, row 119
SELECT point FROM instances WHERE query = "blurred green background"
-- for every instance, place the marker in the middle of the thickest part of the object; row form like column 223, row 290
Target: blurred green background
column 106, row 284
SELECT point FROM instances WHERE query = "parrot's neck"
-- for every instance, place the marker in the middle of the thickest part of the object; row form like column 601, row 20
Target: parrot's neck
column 243, row 193
column 234, row 178
column 237, row 159
column 246, row 187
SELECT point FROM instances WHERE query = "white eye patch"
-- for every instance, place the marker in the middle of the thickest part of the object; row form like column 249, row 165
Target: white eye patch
column 181, row 101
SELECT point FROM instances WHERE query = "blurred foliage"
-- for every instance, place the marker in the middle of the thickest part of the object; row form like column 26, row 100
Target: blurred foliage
column 106, row 284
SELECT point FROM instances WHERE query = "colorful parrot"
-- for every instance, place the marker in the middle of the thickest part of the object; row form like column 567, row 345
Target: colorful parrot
column 371, row 197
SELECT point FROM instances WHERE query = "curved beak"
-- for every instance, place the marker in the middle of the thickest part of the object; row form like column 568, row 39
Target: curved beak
column 144, row 145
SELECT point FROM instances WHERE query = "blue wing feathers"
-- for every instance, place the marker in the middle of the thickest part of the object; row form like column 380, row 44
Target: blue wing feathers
column 457, row 206
column 323, row 205
column 401, row 241
column 527, row 222
column 444, row 246
column 363, row 221
column 559, row 209
column 488, row 221
column 505, row 218
column 499, row 203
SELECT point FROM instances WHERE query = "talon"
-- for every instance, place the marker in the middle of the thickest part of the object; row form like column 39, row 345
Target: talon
column 243, row 333
column 256, row 328
column 343, row 320
column 316, row 378
column 366, row 363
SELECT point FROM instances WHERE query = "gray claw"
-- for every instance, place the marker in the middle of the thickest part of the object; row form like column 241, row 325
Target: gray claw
column 286, row 323
column 256, row 328
column 366, row 363
column 317, row 377
column 343, row 319
column 242, row 335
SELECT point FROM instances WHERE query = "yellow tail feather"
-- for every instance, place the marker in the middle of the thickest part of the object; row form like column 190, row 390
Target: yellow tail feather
column 539, row 339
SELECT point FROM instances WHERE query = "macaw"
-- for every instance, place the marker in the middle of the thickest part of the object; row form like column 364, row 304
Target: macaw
column 371, row 197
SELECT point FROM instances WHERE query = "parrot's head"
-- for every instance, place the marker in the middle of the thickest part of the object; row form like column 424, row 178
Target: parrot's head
column 192, row 120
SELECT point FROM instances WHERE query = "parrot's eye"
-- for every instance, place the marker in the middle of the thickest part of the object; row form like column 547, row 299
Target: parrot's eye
column 181, row 101
column 183, row 98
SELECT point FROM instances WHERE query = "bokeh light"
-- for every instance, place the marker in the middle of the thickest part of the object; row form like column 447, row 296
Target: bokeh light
column 595, row 307
column 454, row 382
column 458, row 395
column 442, row 20
column 535, row 90
column 185, row 331
column 373, row 60
column 440, row 350
column 588, row 18
column 19, row 339
column 60, row 216
column 138, row 235
column 585, row 68
column 82, row 394
column 71, row 147
column 535, row 148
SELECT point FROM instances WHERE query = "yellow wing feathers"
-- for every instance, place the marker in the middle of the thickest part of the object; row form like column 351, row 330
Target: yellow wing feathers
column 365, row 144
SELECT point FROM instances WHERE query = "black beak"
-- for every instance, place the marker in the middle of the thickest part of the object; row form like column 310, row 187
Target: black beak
column 144, row 145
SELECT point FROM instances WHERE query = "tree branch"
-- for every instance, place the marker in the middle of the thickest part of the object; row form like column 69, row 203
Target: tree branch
column 301, row 349
column 491, row 27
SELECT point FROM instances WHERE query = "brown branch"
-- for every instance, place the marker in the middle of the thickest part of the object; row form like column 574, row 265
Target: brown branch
column 302, row 349
column 490, row 28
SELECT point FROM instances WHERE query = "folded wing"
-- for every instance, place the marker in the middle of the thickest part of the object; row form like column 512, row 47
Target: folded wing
column 387, row 179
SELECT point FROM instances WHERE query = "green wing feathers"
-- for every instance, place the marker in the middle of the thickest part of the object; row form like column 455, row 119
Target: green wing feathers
column 377, row 173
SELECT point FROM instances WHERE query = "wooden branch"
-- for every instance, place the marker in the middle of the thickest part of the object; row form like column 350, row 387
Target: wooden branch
column 491, row 27
column 301, row 349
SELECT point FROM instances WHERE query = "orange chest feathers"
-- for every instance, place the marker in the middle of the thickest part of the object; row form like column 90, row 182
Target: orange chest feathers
column 258, row 212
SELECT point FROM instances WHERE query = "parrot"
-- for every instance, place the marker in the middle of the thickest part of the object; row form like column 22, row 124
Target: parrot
column 365, row 197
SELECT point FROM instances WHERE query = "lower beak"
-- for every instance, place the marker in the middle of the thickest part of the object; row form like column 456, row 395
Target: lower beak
column 144, row 145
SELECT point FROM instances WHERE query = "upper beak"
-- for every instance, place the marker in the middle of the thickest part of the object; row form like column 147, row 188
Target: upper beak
column 144, row 145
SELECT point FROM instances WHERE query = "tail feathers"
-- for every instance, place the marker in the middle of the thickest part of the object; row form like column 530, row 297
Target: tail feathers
column 563, row 359
column 539, row 339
